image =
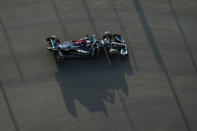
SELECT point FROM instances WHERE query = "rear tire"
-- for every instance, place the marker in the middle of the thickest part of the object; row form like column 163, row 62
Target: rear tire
column 48, row 39
column 57, row 40
column 59, row 58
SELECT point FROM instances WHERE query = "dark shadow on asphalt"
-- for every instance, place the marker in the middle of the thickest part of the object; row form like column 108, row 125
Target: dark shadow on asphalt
column 158, row 57
column 91, row 81
column 9, row 107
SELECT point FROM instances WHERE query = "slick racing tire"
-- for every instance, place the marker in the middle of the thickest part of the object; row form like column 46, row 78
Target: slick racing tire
column 113, row 52
column 59, row 59
column 58, row 40
column 48, row 39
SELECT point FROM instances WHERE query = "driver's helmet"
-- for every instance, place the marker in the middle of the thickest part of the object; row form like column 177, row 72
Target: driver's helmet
column 93, row 36
column 87, row 37
column 93, row 39
column 107, row 33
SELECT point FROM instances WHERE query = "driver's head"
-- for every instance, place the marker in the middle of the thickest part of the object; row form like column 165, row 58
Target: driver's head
column 107, row 32
column 87, row 37
column 93, row 36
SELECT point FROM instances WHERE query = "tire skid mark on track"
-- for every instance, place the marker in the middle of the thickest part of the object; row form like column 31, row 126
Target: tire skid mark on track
column 31, row 80
column 158, row 57
column 12, row 50
column 95, row 30
column 124, row 32
column 9, row 107
column 90, row 18
column 124, row 105
column 59, row 20
column 187, row 46
column 127, row 114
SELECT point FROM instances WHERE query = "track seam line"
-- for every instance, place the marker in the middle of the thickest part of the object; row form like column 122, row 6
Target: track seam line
column 126, row 35
column 12, row 50
column 179, row 26
column 9, row 107
column 152, row 43
column 59, row 19
column 95, row 30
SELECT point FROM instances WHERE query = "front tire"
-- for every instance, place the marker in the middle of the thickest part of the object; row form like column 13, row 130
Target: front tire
column 59, row 56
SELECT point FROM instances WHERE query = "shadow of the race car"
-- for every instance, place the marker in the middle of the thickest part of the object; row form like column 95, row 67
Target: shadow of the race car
column 92, row 82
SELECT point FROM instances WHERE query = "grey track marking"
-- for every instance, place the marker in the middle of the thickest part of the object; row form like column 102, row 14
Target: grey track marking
column 159, row 58
column 187, row 46
column 124, row 34
column 11, row 113
column 9, row 43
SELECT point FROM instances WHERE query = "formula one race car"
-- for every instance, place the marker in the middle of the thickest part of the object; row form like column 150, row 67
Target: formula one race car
column 88, row 46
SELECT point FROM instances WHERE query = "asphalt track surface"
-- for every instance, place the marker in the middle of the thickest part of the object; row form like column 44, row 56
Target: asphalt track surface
column 153, row 90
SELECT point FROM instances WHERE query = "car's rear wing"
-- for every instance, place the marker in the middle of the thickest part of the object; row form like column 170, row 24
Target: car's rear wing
column 52, row 40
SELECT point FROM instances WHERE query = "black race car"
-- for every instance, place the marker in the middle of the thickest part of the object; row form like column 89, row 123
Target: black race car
column 88, row 46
